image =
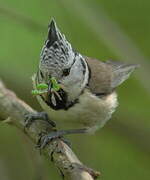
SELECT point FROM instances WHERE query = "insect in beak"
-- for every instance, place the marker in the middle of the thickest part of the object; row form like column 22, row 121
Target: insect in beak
column 53, row 88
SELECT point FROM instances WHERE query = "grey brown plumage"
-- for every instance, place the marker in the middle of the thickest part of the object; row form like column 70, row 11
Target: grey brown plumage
column 87, row 97
column 106, row 76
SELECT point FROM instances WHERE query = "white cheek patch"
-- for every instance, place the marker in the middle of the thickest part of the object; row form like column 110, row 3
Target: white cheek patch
column 77, row 79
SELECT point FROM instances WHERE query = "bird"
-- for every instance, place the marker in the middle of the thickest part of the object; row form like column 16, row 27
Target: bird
column 79, row 92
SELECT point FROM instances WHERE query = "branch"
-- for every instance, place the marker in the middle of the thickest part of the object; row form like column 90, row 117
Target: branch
column 13, row 111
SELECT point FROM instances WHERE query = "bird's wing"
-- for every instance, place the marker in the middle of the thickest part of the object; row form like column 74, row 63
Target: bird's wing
column 106, row 76
column 100, row 78
column 121, row 71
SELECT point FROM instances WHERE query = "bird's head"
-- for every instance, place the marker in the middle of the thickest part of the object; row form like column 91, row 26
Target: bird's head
column 59, row 60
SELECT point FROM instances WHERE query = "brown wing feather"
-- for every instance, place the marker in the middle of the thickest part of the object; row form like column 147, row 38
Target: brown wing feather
column 101, row 75
column 121, row 72
column 106, row 76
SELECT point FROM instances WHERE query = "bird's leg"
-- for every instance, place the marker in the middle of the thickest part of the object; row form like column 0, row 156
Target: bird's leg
column 30, row 118
column 44, row 140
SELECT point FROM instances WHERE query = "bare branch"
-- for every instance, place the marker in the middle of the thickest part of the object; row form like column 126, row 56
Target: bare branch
column 13, row 111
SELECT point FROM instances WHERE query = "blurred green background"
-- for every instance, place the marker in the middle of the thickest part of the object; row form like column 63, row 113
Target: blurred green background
column 103, row 29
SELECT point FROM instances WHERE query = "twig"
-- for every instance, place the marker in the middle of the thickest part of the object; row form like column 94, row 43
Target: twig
column 14, row 109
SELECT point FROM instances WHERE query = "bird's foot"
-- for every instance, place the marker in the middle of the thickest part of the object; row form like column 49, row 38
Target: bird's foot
column 30, row 118
column 45, row 139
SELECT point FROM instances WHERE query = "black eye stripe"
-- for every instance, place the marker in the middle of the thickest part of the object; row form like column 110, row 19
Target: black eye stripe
column 83, row 65
column 66, row 72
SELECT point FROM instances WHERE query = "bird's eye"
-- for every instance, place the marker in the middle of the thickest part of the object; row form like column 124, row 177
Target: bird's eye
column 66, row 72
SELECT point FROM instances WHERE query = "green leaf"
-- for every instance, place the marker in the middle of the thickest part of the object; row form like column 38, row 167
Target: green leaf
column 38, row 92
column 42, row 86
column 55, row 85
column 35, row 92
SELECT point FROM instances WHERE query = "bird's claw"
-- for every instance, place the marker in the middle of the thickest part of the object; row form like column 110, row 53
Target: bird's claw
column 45, row 139
column 30, row 118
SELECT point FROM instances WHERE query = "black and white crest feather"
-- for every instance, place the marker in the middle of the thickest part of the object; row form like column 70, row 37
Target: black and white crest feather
column 57, row 52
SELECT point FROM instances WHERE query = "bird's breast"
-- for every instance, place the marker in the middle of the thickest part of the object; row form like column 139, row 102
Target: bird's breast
column 90, row 112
